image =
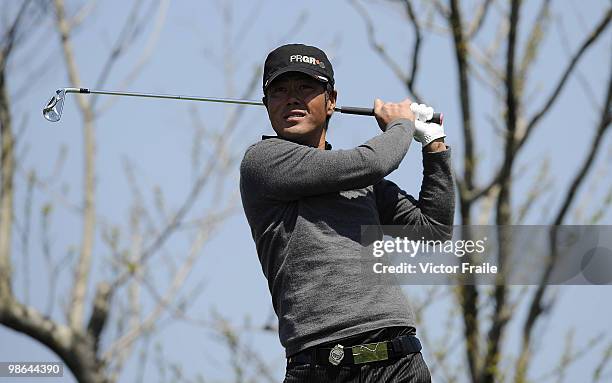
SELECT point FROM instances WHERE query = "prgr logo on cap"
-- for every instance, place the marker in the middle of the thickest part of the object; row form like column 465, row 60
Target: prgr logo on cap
column 307, row 60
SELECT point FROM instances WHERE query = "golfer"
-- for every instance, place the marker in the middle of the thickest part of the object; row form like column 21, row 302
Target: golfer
column 306, row 203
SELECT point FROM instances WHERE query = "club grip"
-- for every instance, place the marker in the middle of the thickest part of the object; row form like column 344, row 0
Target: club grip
column 437, row 118
column 355, row 110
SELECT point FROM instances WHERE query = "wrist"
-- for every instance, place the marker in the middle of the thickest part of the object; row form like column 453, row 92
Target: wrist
column 434, row 146
column 407, row 124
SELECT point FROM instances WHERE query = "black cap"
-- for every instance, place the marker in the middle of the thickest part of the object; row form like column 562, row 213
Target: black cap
column 298, row 58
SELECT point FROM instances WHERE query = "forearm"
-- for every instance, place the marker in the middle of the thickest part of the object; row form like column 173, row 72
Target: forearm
column 437, row 196
column 436, row 201
column 287, row 171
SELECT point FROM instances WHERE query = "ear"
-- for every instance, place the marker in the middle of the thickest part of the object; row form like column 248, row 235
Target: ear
column 331, row 102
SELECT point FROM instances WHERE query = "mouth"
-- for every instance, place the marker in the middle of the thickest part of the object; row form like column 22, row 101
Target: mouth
column 294, row 115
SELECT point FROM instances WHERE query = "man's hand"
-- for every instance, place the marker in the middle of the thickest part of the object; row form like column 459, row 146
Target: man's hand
column 426, row 132
column 386, row 112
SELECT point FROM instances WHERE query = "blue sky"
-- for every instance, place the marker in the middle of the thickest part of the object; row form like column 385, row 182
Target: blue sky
column 157, row 136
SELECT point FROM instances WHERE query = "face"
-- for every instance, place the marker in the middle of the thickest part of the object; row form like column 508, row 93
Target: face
column 297, row 107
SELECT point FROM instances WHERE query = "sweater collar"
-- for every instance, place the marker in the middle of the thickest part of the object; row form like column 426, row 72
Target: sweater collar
column 264, row 137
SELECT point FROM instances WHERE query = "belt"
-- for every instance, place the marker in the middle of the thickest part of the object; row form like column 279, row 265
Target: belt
column 358, row 354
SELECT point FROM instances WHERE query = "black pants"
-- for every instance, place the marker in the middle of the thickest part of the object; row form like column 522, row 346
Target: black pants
column 408, row 369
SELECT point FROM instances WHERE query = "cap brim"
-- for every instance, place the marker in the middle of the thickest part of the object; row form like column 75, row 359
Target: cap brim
column 307, row 71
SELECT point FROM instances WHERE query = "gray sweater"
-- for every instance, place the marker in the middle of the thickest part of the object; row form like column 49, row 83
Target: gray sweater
column 305, row 207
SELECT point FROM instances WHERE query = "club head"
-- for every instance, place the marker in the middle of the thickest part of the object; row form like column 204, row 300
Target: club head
column 53, row 110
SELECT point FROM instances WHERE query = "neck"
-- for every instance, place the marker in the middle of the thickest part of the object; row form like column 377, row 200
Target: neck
column 321, row 143
column 315, row 139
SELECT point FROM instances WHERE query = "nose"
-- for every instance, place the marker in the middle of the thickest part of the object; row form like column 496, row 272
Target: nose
column 293, row 99
column 293, row 95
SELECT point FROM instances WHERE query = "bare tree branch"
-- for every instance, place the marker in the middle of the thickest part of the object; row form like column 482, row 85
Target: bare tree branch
column 73, row 348
column 536, row 306
column 79, row 341
column 7, row 160
column 205, row 176
column 100, row 313
column 539, row 185
column 478, row 193
column 416, row 49
column 565, row 42
column 534, row 40
column 481, row 15
column 468, row 294
column 25, row 237
column 134, row 290
column 82, row 14
column 442, row 9
column 571, row 353
column 125, row 37
column 178, row 280
column 81, row 277
column 500, row 316
column 487, row 203
column 485, row 367
column 593, row 36
column 407, row 79
column 455, row 21
column 605, row 360
column 147, row 52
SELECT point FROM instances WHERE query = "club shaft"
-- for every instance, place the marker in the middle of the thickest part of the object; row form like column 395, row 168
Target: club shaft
column 164, row 96
column 343, row 109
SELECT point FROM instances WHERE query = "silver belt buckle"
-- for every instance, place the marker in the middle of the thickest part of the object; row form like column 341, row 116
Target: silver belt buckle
column 336, row 354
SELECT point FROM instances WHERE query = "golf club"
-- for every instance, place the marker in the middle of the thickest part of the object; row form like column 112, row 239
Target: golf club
column 53, row 109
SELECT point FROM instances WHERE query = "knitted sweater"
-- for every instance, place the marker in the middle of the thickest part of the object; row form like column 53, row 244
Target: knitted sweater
column 305, row 207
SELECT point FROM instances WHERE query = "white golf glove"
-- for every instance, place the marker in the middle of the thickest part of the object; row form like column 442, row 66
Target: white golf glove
column 425, row 131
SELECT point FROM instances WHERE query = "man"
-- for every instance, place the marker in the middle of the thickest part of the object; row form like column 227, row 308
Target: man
column 306, row 204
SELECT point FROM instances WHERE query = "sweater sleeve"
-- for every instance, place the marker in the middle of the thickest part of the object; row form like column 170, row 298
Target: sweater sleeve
column 433, row 213
column 283, row 170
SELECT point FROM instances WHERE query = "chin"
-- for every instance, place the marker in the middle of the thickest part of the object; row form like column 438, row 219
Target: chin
column 296, row 131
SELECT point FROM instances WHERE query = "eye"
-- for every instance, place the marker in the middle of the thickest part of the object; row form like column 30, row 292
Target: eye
column 307, row 89
column 276, row 90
